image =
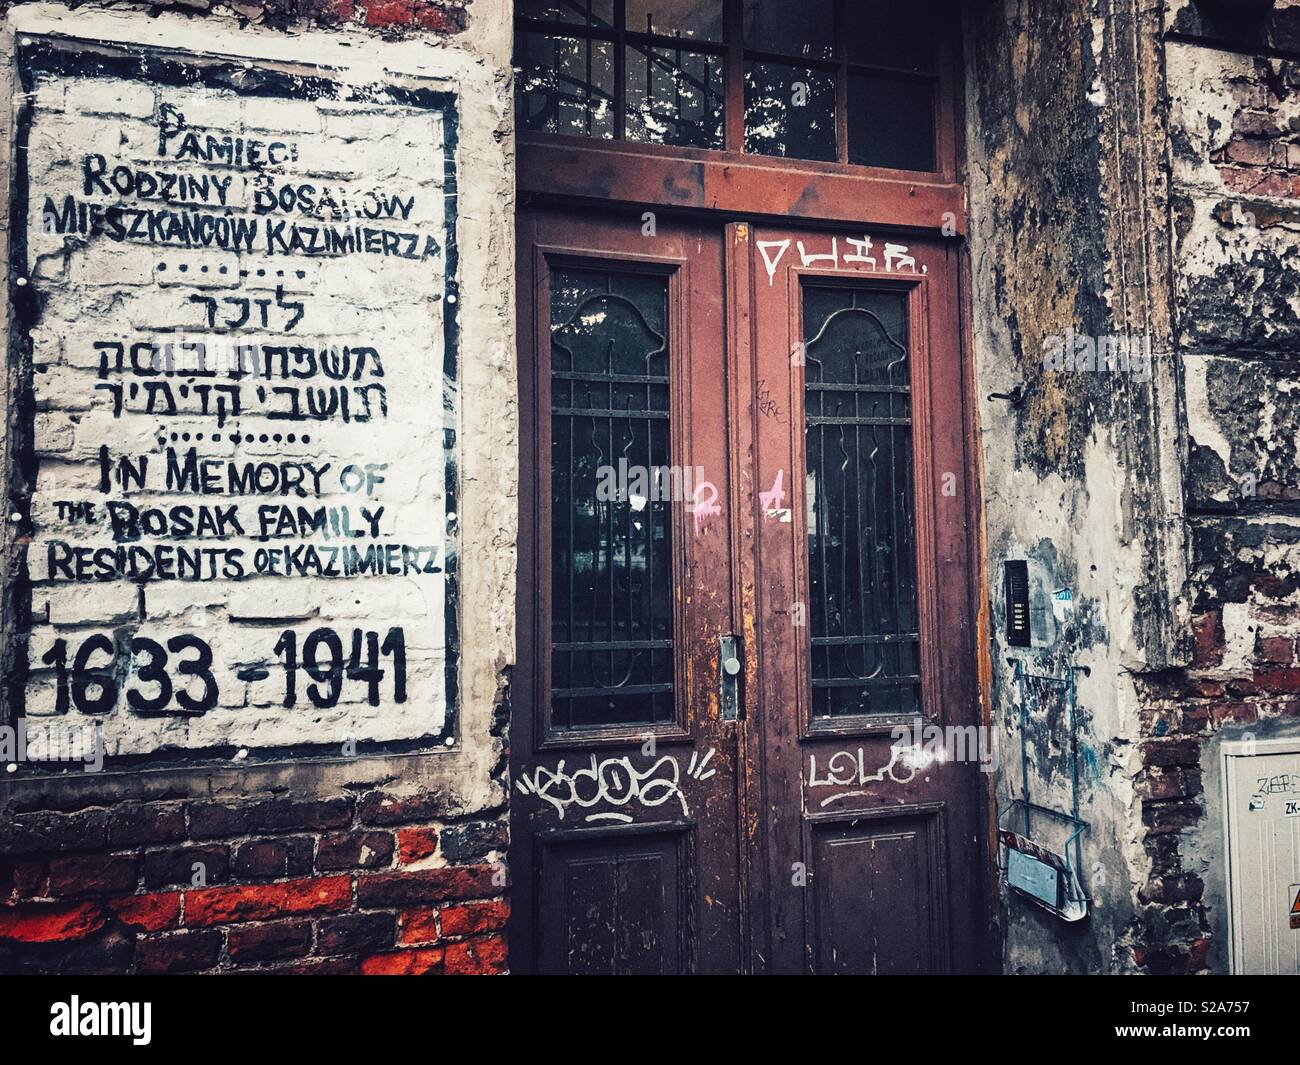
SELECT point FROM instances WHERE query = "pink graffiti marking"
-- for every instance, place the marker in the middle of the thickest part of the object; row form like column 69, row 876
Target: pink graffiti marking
column 704, row 508
column 773, row 498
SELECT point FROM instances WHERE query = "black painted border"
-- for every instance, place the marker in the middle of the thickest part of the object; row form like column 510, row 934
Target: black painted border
column 72, row 57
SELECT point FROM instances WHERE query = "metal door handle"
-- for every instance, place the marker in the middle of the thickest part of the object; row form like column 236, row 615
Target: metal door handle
column 729, row 669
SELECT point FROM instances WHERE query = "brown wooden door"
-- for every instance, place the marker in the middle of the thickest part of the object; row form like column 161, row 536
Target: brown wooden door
column 800, row 394
column 625, row 851
column 865, row 737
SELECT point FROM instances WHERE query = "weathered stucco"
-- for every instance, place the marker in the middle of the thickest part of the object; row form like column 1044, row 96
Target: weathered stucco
column 1234, row 87
column 1081, row 466
column 1134, row 170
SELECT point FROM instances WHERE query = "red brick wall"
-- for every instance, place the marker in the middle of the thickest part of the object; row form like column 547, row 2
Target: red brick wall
column 1263, row 156
column 1234, row 91
column 365, row 884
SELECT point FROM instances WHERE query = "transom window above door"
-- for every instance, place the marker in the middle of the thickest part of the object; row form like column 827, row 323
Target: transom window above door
column 849, row 81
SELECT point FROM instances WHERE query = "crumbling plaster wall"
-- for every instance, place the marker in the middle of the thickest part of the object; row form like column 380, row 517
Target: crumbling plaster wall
column 1081, row 468
column 1234, row 92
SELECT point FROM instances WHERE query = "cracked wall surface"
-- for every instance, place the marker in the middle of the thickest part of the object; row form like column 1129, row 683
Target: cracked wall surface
column 1081, row 468
column 1156, row 193
column 1234, row 133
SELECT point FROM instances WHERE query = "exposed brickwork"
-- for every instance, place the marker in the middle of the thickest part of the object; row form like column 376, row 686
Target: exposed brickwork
column 209, row 887
column 476, row 957
column 1262, row 158
column 474, row 917
column 1182, row 711
column 1234, row 90
column 415, row 844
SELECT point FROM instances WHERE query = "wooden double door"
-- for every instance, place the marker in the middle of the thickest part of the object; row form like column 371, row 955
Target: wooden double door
column 744, row 722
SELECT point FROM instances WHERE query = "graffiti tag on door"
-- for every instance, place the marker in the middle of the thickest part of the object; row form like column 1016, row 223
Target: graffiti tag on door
column 615, row 782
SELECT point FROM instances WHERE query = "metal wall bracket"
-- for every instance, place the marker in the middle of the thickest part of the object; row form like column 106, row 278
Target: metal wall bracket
column 1050, row 878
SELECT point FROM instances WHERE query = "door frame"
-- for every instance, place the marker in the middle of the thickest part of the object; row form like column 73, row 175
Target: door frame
column 732, row 191
column 932, row 305
column 916, row 289
column 535, row 479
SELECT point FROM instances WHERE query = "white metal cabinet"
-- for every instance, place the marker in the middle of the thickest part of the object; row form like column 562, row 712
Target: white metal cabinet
column 1261, row 790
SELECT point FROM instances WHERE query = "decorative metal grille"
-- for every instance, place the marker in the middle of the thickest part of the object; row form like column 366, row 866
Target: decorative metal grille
column 611, row 543
column 863, row 612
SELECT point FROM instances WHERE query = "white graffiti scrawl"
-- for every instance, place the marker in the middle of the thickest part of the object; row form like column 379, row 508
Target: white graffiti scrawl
column 843, row 769
column 897, row 256
column 614, row 782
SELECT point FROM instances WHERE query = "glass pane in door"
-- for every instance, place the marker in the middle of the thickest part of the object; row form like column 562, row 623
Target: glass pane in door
column 863, row 613
column 674, row 96
column 611, row 540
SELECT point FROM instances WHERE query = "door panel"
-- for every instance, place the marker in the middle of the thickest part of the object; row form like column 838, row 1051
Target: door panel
column 617, row 902
column 862, row 584
column 877, row 905
column 624, row 851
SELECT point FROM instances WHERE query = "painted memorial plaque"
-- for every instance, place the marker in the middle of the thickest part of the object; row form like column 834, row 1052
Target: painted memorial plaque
column 237, row 406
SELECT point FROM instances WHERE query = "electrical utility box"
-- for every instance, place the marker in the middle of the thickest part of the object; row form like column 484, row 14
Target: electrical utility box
column 1261, row 811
